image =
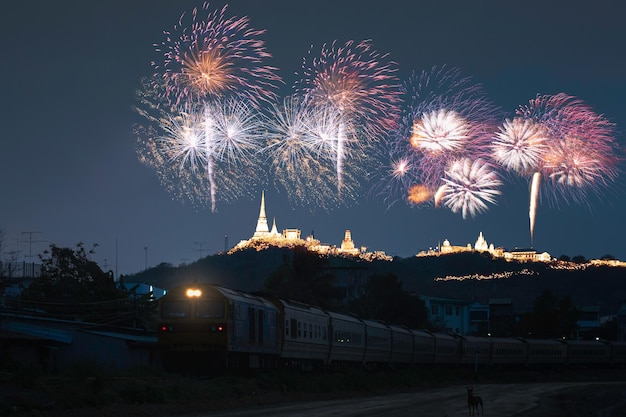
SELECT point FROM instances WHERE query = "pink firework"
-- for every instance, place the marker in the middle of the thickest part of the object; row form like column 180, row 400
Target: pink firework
column 354, row 82
column 357, row 81
column 574, row 154
column 214, row 56
column 447, row 118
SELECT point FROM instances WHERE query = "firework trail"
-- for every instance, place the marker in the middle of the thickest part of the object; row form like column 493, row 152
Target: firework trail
column 203, row 150
column 360, row 86
column 559, row 140
column 447, row 118
column 302, row 146
column 468, row 186
column 215, row 56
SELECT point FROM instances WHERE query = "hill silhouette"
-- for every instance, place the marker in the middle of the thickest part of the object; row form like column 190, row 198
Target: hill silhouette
column 469, row 276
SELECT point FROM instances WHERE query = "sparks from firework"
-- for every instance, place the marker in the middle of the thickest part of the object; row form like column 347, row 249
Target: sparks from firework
column 468, row 186
column 302, row 143
column 447, row 117
column 213, row 142
column 559, row 138
column 357, row 83
column 215, row 56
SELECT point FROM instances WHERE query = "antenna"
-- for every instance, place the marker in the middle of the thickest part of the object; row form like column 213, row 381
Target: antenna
column 225, row 243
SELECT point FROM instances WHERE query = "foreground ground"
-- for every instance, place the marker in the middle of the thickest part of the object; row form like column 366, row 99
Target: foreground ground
column 426, row 392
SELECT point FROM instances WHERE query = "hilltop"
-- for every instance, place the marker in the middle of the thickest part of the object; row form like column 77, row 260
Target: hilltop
column 470, row 276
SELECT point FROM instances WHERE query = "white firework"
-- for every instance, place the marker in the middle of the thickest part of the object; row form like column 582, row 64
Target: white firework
column 469, row 186
column 519, row 145
column 440, row 131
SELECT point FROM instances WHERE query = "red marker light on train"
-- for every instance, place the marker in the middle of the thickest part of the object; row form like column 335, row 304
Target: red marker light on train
column 220, row 328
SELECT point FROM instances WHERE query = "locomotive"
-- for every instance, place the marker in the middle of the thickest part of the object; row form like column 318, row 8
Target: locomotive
column 205, row 325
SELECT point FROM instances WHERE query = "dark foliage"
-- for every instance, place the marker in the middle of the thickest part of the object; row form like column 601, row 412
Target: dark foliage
column 72, row 285
column 551, row 317
column 303, row 276
column 384, row 299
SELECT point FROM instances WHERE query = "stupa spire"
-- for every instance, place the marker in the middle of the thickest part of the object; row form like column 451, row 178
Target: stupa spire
column 262, row 229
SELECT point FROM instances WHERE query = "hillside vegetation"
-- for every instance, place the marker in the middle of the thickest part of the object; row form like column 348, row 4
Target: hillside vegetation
column 464, row 276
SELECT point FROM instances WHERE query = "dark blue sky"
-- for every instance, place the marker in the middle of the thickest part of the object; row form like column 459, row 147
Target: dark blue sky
column 69, row 71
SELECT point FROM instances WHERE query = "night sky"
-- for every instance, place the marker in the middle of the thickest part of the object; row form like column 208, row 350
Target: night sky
column 69, row 71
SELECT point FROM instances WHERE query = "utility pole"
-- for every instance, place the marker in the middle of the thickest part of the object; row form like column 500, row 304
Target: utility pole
column 199, row 244
column 30, row 242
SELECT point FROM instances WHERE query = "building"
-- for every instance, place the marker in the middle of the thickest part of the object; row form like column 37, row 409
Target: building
column 263, row 238
column 447, row 314
column 481, row 245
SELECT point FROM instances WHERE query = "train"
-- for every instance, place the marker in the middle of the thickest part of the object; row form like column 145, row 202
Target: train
column 210, row 326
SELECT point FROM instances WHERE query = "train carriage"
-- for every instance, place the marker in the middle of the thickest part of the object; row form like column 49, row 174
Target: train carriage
column 475, row 350
column 401, row 345
column 546, row 352
column 508, row 351
column 305, row 333
column 377, row 343
column 423, row 347
column 447, row 349
column 618, row 353
column 347, row 339
column 587, row 352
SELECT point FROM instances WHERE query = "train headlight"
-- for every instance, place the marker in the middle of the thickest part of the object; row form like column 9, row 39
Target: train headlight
column 193, row 293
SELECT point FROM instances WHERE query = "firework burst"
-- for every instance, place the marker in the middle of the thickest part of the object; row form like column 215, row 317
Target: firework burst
column 560, row 142
column 360, row 87
column 469, row 185
column 215, row 56
column 208, row 152
column 447, row 118
column 302, row 145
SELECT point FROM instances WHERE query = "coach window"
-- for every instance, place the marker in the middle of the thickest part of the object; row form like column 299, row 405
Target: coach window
column 294, row 329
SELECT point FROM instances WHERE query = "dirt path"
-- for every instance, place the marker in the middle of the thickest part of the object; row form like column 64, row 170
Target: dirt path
column 571, row 399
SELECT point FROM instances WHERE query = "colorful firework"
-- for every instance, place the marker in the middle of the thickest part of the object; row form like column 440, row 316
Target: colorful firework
column 519, row 145
column 302, row 144
column 360, row 86
column 205, row 151
column 395, row 176
column 559, row 138
column 215, row 56
column 468, row 186
column 447, row 118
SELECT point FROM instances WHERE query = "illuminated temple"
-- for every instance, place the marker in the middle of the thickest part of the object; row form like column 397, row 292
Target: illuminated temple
column 528, row 255
column 264, row 237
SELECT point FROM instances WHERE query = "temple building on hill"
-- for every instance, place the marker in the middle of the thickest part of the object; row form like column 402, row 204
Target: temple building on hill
column 264, row 238
column 523, row 255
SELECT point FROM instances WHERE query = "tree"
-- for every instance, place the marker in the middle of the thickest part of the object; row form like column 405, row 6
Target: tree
column 579, row 259
column 551, row 317
column 69, row 275
column 384, row 299
column 303, row 277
